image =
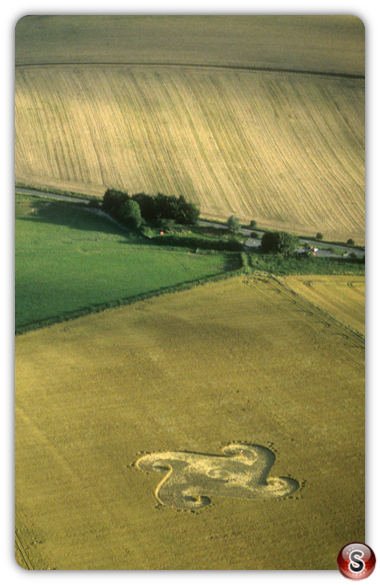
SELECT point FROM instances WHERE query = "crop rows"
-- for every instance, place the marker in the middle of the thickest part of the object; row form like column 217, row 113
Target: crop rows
column 285, row 149
column 343, row 297
column 189, row 372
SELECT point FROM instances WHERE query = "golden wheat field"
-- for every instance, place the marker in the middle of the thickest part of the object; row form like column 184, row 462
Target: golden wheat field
column 284, row 148
column 222, row 427
column 343, row 298
column 218, row 379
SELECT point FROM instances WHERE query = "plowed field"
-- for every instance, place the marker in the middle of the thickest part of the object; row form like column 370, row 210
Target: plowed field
column 242, row 369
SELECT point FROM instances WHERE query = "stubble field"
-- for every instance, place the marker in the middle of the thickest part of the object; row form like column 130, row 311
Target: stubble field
column 271, row 146
column 192, row 117
column 244, row 362
column 222, row 427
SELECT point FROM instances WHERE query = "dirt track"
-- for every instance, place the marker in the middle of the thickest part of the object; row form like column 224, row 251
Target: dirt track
column 200, row 66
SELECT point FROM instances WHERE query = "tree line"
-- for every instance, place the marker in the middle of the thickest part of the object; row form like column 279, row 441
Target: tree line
column 133, row 211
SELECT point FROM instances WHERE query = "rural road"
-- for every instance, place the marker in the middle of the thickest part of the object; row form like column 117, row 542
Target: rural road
column 52, row 195
column 70, row 199
column 321, row 248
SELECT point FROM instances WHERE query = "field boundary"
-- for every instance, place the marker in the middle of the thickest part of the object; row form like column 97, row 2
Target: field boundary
column 109, row 305
column 86, row 198
column 197, row 66
column 356, row 339
column 301, row 298
column 243, row 264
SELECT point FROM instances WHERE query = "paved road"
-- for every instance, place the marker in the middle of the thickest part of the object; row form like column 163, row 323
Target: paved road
column 71, row 200
column 321, row 249
column 52, row 195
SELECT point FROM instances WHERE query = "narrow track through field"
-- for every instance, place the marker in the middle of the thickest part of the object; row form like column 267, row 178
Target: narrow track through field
column 329, row 299
column 24, row 555
column 352, row 341
column 197, row 66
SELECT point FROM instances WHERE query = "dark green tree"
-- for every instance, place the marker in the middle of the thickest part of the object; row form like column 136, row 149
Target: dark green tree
column 112, row 201
column 319, row 236
column 166, row 206
column 129, row 214
column 233, row 225
column 287, row 243
column 281, row 242
column 147, row 206
column 269, row 242
column 187, row 212
column 153, row 209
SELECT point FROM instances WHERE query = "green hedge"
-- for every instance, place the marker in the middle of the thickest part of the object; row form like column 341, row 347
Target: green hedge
column 202, row 243
column 70, row 315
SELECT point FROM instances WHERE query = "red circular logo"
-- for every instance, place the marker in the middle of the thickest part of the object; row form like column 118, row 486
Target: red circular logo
column 356, row 561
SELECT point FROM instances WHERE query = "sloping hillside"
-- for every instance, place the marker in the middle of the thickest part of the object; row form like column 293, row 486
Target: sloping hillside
column 332, row 44
column 281, row 147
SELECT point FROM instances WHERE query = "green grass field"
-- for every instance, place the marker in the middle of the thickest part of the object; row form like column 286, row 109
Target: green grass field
column 68, row 259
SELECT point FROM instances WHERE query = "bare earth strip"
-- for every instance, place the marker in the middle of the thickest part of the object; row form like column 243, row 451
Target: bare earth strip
column 243, row 362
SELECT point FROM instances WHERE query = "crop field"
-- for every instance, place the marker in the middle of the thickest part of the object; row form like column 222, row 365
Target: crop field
column 272, row 146
column 342, row 297
column 68, row 259
column 188, row 116
column 331, row 44
column 208, row 429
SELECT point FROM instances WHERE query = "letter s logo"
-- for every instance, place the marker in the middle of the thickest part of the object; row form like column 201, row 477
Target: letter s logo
column 356, row 561
column 356, row 565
